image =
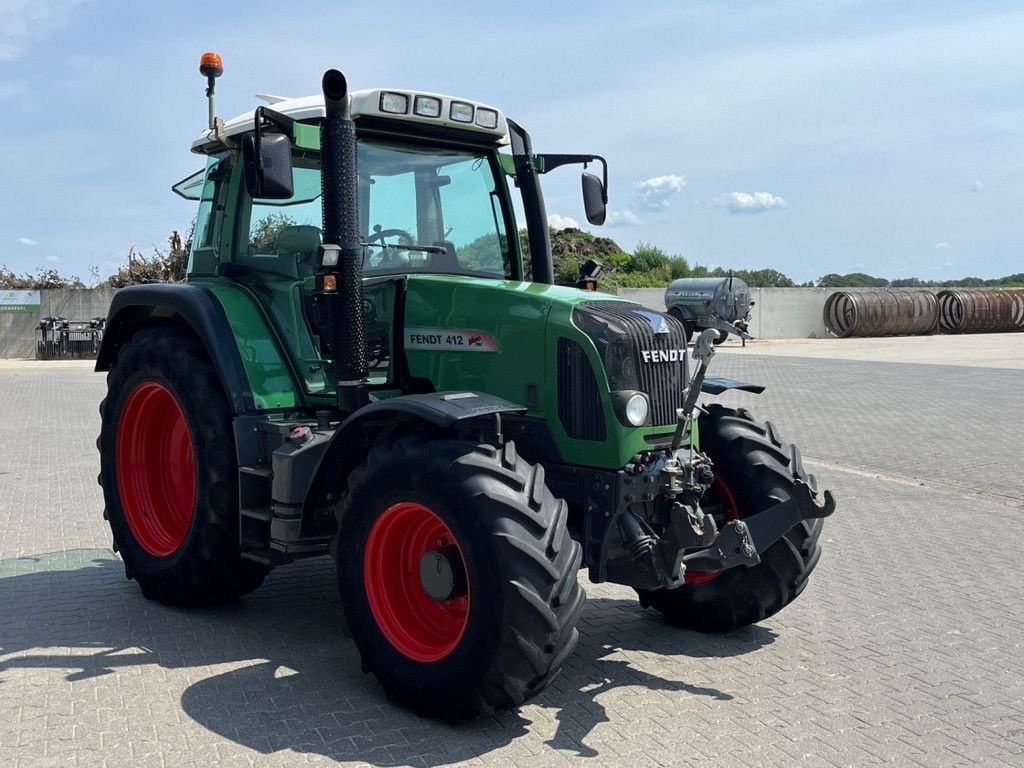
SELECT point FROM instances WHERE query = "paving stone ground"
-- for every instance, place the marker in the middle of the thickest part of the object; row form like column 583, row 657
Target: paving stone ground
column 906, row 648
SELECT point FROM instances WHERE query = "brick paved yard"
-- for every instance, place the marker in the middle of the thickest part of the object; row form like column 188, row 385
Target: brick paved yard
column 906, row 648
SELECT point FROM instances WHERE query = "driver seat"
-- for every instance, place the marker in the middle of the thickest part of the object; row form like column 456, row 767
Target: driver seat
column 301, row 244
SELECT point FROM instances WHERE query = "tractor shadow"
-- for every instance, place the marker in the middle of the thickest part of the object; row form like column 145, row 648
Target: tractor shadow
column 296, row 684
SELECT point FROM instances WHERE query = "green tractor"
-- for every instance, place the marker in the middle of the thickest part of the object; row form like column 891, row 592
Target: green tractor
column 361, row 364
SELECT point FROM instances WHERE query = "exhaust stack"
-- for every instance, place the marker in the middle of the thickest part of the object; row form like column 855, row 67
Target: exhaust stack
column 340, row 278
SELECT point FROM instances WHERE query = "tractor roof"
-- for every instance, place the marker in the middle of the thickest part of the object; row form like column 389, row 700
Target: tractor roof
column 388, row 103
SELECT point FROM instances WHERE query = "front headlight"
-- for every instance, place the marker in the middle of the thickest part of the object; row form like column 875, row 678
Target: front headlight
column 632, row 408
column 637, row 409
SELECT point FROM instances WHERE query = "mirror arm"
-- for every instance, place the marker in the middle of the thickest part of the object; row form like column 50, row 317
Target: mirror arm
column 285, row 123
column 550, row 162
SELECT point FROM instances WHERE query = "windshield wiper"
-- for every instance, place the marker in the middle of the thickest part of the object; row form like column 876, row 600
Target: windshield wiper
column 410, row 247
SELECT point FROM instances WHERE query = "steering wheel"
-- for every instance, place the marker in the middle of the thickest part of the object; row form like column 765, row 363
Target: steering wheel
column 389, row 257
column 381, row 234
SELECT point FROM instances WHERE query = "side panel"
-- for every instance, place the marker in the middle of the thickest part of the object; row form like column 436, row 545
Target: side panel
column 477, row 335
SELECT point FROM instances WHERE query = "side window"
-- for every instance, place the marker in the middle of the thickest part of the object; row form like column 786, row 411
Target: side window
column 393, row 202
column 392, row 219
column 476, row 226
column 204, row 256
column 283, row 237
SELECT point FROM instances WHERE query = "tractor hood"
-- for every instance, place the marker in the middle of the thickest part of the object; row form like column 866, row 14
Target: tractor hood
column 494, row 336
column 565, row 354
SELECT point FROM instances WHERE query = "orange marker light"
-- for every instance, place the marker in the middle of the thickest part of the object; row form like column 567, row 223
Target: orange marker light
column 211, row 65
column 330, row 282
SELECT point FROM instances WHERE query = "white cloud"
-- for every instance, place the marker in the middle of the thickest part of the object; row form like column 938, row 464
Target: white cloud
column 27, row 241
column 622, row 219
column 748, row 202
column 977, row 186
column 557, row 221
column 943, row 246
column 53, row 258
column 26, row 21
column 654, row 194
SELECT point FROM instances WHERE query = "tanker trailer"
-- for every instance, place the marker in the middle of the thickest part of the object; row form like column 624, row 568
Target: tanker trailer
column 722, row 303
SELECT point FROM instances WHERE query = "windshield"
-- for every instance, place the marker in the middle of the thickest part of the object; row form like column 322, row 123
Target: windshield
column 421, row 210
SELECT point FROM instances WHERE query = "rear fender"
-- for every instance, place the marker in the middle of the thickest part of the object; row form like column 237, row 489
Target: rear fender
column 141, row 306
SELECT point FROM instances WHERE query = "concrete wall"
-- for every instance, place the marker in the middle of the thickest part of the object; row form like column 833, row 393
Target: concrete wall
column 778, row 313
column 788, row 313
column 18, row 329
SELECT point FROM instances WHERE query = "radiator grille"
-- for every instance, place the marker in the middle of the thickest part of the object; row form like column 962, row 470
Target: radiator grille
column 623, row 332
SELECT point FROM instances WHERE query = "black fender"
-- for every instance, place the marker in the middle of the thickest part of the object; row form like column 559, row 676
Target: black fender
column 387, row 419
column 189, row 304
column 716, row 386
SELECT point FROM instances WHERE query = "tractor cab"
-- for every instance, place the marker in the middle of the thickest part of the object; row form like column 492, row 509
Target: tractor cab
column 433, row 198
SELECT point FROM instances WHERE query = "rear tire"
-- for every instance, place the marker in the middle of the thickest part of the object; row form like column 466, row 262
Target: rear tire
column 169, row 474
column 506, row 638
column 755, row 469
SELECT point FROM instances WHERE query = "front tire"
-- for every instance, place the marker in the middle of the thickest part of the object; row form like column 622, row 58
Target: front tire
column 754, row 470
column 502, row 634
column 169, row 475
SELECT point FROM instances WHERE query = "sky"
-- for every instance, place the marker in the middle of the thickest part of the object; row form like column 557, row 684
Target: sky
column 808, row 136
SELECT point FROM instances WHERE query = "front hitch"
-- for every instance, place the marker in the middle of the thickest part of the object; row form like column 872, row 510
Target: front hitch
column 741, row 542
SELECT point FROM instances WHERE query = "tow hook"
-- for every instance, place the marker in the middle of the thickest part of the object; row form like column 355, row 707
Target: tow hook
column 693, row 528
column 734, row 546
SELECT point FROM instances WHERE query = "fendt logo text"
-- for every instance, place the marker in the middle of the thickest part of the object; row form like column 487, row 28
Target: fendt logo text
column 663, row 355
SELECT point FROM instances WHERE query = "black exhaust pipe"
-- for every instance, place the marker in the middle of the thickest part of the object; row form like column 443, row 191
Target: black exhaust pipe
column 340, row 278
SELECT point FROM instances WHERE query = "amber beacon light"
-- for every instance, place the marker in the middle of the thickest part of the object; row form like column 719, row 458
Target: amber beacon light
column 211, row 66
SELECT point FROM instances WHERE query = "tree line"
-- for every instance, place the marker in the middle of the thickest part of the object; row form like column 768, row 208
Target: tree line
column 162, row 265
column 649, row 266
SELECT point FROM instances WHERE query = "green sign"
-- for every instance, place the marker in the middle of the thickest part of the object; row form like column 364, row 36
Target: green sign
column 19, row 301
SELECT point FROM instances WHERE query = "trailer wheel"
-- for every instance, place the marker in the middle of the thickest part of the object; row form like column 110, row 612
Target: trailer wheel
column 168, row 472
column 458, row 575
column 753, row 471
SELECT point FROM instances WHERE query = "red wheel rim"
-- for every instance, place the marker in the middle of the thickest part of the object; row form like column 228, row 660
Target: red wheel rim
column 730, row 511
column 156, row 469
column 419, row 627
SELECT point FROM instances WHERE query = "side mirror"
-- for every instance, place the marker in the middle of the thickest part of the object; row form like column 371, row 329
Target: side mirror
column 267, row 160
column 595, row 199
